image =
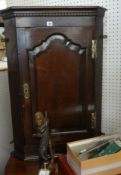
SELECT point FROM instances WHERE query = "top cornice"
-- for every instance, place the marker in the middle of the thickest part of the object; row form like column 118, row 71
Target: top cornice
column 34, row 11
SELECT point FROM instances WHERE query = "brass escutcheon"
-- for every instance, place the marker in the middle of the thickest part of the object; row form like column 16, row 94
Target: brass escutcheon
column 26, row 91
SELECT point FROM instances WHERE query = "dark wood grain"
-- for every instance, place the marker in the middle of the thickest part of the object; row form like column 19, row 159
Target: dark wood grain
column 28, row 167
column 63, row 79
column 20, row 167
column 64, row 168
column 15, row 86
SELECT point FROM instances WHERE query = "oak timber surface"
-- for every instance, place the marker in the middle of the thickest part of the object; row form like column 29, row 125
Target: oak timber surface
column 62, row 75
column 20, row 167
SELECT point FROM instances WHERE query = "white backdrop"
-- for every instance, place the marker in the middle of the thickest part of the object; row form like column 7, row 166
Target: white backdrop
column 111, row 96
column 6, row 134
column 2, row 4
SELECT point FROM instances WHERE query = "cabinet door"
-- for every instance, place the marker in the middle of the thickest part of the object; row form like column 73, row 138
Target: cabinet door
column 60, row 72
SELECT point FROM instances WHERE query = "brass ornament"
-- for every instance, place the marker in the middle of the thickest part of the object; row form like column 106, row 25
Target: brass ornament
column 26, row 91
column 94, row 49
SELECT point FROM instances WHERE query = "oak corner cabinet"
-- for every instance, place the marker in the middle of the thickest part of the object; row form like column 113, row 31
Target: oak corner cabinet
column 55, row 66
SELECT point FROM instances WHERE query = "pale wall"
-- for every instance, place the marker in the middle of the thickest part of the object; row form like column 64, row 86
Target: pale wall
column 5, row 121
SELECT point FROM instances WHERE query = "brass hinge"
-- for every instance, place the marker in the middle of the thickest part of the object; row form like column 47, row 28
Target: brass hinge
column 26, row 91
column 103, row 36
column 94, row 49
column 93, row 120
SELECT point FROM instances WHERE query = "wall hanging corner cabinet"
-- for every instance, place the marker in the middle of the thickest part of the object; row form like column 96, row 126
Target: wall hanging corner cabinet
column 55, row 66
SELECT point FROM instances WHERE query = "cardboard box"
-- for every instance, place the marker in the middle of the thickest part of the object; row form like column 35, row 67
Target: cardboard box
column 105, row 165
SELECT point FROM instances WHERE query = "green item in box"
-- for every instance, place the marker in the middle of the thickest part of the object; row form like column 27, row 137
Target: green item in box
column 110, row 149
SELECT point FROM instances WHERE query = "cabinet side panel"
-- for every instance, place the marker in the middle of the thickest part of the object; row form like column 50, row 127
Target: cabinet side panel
column 14, row 83
column 98, row 71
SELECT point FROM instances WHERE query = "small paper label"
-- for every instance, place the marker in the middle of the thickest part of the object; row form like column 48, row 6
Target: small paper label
column 44, row 172
column 49, row 23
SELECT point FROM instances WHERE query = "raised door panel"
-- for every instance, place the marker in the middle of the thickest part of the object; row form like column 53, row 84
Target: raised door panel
column 58, row 83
